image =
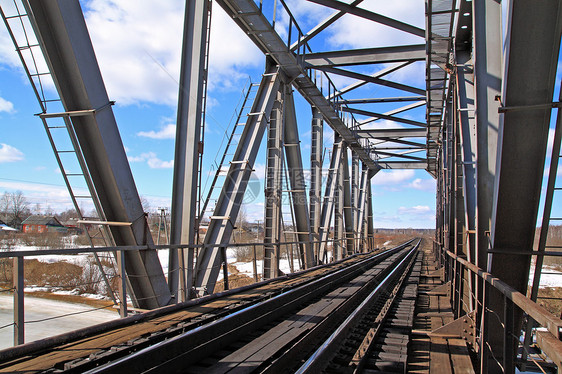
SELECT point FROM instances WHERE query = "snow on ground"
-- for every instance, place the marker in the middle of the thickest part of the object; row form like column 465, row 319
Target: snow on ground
column 552, row 278
column 40, row 309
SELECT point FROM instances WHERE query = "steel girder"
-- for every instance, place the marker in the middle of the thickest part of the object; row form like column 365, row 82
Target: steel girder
column 328, row 204
column 316, row 147
column 347, row 204
column 385, row 55
column 248, row 16
column 273, row 175
column 296, row 178
column 355, row 178
column 232, row 193
column 531, row 60
column 468, row 140
column 362, row 205
column 184, row 213
column 62, row 33
column 338, row 247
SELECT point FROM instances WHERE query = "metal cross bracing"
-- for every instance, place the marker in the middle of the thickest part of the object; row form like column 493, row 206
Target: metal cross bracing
column 488, row 96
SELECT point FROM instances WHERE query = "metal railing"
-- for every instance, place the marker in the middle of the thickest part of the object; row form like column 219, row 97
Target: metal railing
column 291, row 248
column 513, row 302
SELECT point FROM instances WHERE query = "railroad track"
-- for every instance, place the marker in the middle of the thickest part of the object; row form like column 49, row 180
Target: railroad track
column 205, row 334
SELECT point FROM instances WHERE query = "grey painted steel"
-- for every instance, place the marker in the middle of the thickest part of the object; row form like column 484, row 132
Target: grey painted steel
column 487, row 79
column 232, row 193
column 384, row 116
column 355, row 179
column 545, row 224
column 19, row 315
column 370, row 79
column 468, row 139
column 401, row 109
column 382, row 100
column 188, row 135
column 531, row 60
column 338, row 246
column 392, row 133
column 402, row 164
column 362, row 204
column 64, row 38
column 273, row 175
column 371, row 16
column 328, row 204
column 322, row 25
column 383, row 55
column 316, row 148
column 370, row 220
column 364, row 79
column 347, row 205
column 247, row 15
column 297, row 178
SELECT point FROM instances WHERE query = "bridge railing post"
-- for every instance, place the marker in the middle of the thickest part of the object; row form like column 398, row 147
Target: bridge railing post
column 18, row 279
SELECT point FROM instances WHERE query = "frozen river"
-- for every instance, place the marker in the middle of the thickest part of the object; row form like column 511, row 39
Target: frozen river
column 40, row 309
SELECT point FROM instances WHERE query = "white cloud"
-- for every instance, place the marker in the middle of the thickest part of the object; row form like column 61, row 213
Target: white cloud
column 6, row 106
column 138, row 46
column 9, row 153
column 415, row 210
column 165, row 132
column 152, row 161
column 423, row 184
column 392, row 177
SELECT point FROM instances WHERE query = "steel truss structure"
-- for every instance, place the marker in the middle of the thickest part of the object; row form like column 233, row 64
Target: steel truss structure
column 482, row 94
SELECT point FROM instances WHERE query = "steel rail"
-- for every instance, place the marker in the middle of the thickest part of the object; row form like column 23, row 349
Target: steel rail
column 320, row 357
column 192, row 346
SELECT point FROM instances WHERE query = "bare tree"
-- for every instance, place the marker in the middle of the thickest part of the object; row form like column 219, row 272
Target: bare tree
column 15, row 206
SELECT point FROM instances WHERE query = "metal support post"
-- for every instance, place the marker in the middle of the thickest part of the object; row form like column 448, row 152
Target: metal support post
column 122, row 285
column 272, row 209
column 238, row 175
column 328, row 205
column 337, row 249
column 19, row 321
column 487, row 62
column 316, row 147
column 362, row 205
column 370, row 221
column 297, row 178
column 347, row 207
column 355, row 176
column 188, row 136
column 62, row 33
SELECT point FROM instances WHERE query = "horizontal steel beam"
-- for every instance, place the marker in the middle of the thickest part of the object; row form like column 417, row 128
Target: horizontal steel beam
column 383, row 116
column 373, row 79
column 382, row 100
column 249, row 18
column 392, row 133
column 381, row 55
column 402, row 165
column 371, row 16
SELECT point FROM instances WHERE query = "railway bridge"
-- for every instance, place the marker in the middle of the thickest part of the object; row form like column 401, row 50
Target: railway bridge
column 464, row 300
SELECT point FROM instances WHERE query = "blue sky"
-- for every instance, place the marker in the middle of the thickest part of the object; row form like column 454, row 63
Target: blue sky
column 138, row 46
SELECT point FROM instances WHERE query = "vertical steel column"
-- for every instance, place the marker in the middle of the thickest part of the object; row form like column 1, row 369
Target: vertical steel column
column 355, row 176
column 328, row 205
column 530, row 65
column 274, row 167
column 315, row 193
column 296, row 178
column 19, row 318
column 370, row 222
column 467, row 137
column 337, row 249
column 487, row 81
column 347, row 207
column 232, row 193
column 188, row 146
column 65, row 42
column 362, row 205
